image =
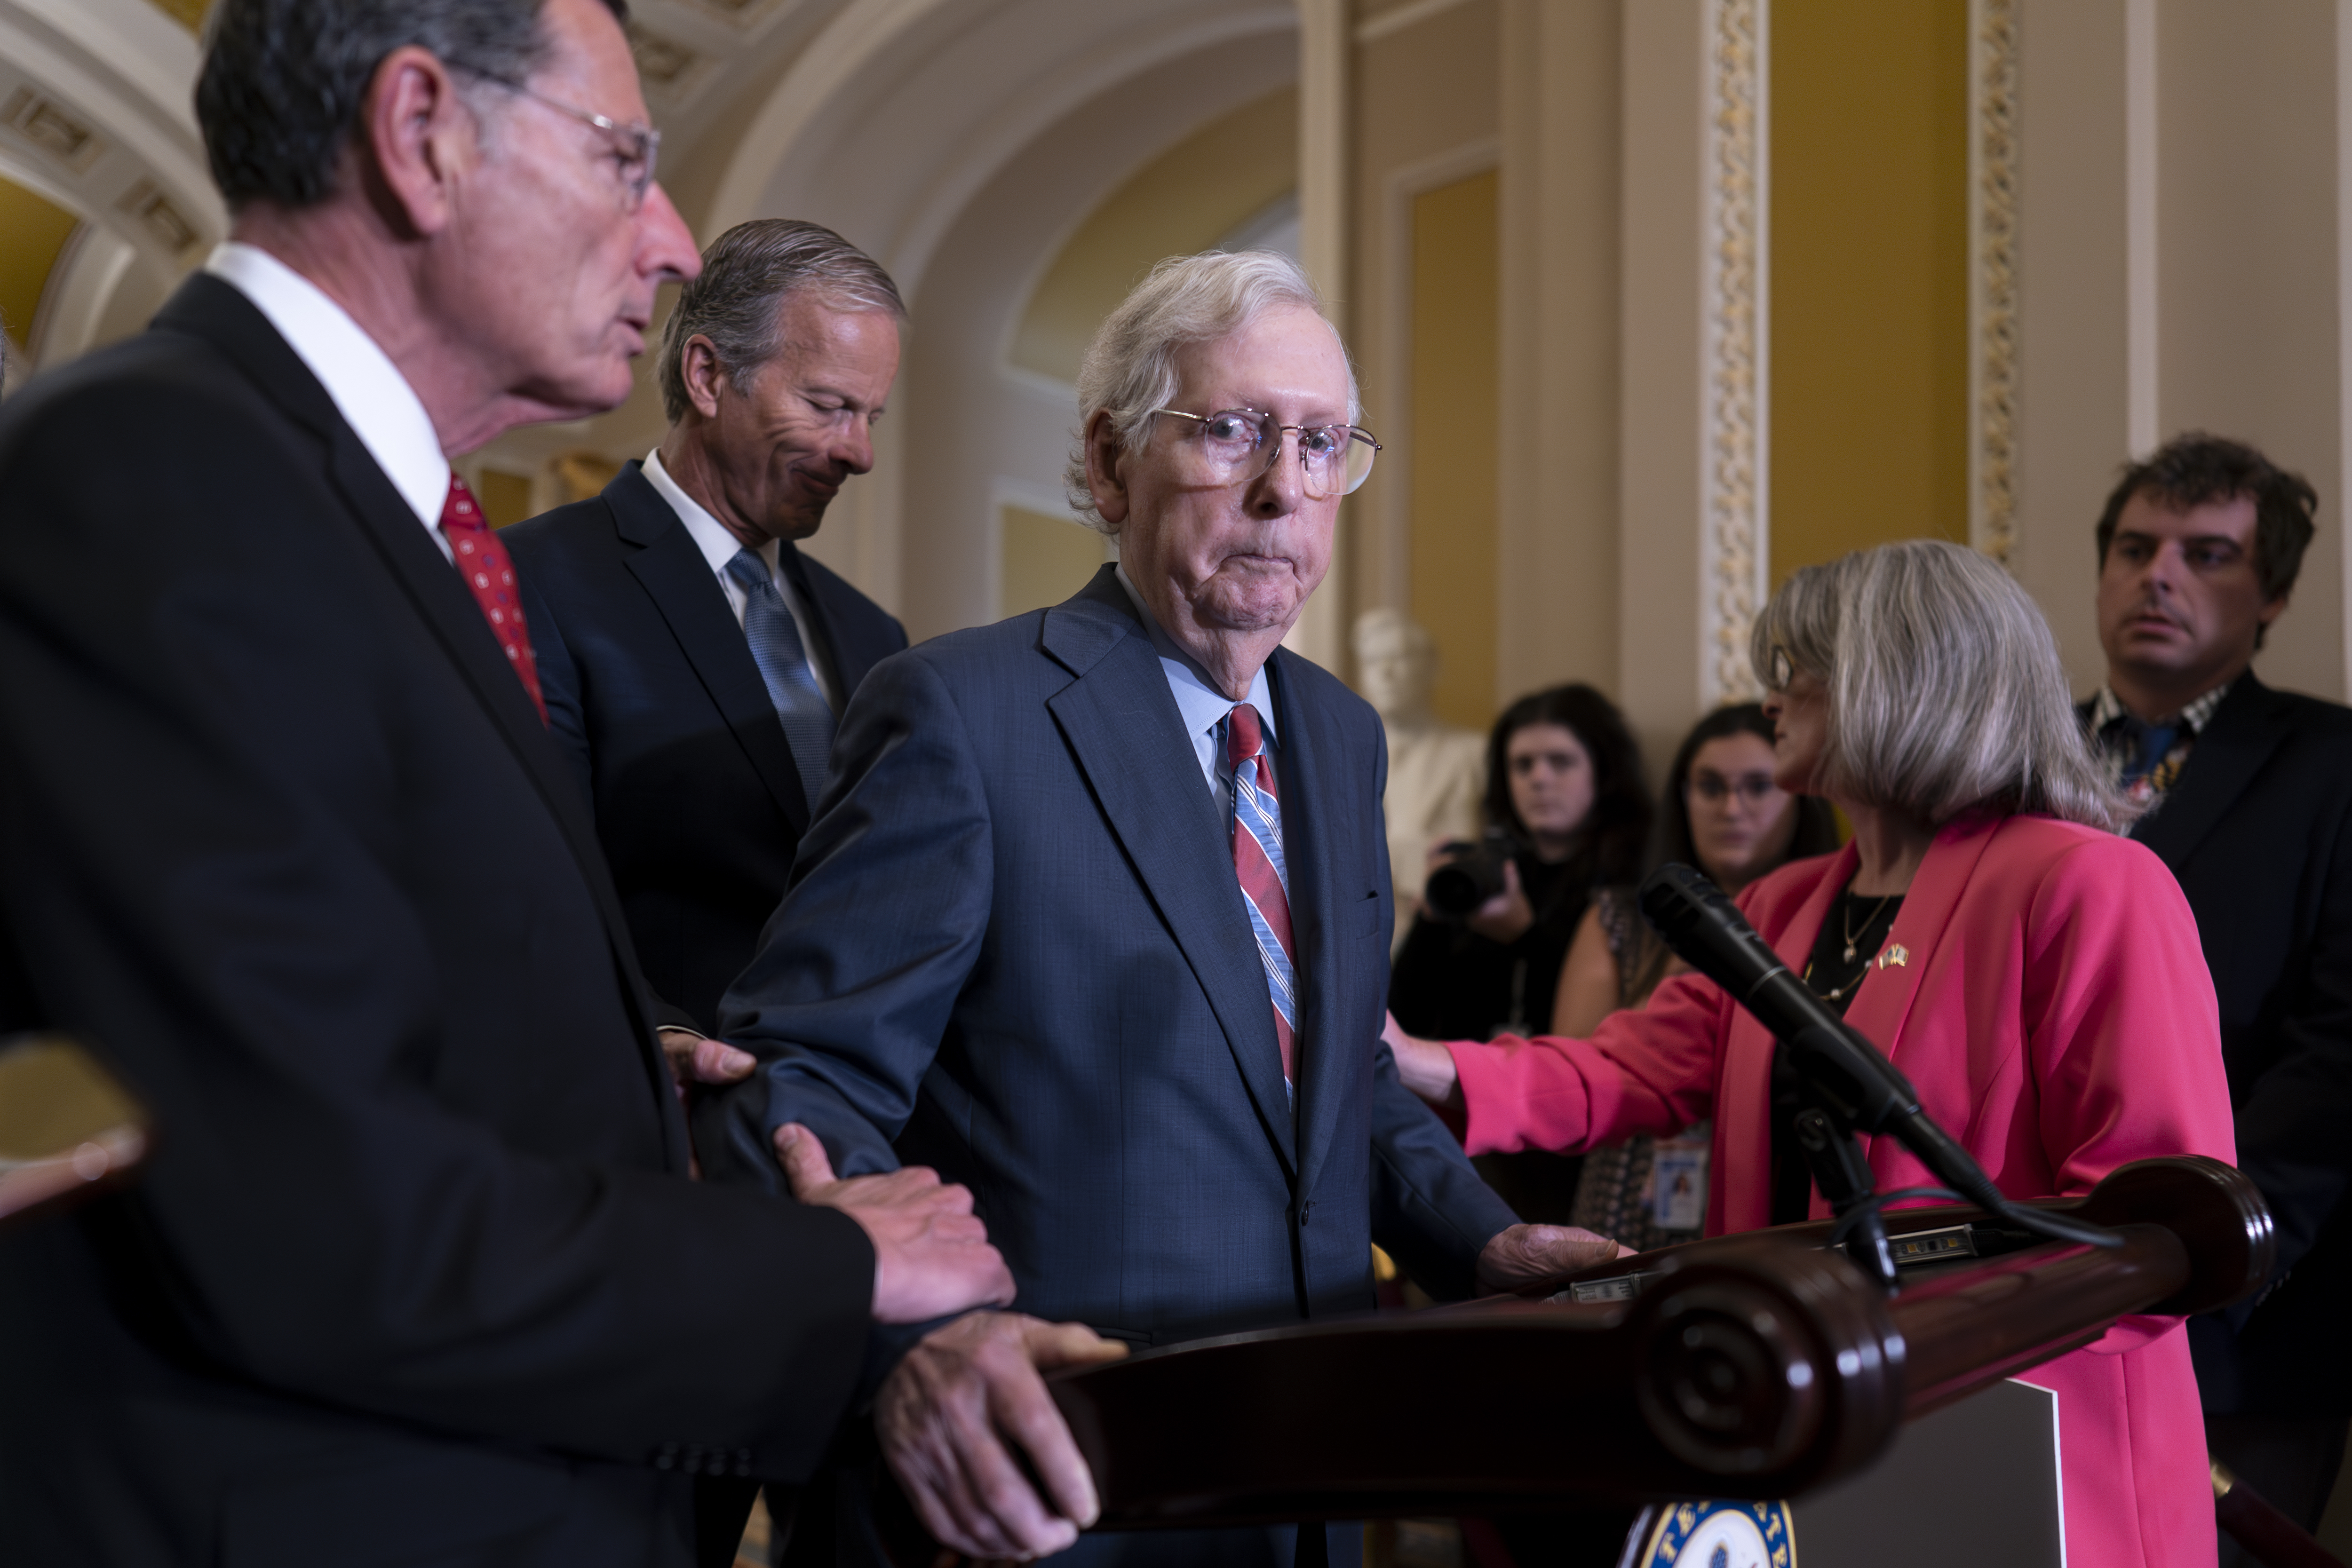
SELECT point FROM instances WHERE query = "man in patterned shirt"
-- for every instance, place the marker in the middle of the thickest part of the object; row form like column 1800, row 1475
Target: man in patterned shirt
column 2250, row 792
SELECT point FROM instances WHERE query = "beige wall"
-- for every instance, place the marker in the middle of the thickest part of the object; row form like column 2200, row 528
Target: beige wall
column 2186, row 279
column 2074, row 371
column 1046, row 559
column 1423, row 115
column 1183, row 201
column 2248, row 338
column 1658, row 542
column 1558, row 483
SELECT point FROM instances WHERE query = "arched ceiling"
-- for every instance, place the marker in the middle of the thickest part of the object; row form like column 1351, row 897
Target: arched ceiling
column 1188, row 198
column 901, row 110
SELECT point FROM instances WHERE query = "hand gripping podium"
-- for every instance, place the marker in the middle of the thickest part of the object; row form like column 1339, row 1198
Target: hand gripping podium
column 1754, row 1366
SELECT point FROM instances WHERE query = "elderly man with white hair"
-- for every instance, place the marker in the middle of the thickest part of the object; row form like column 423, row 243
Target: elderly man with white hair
column 1094, row 918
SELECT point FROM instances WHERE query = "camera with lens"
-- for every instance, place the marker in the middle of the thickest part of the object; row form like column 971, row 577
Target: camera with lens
column 1472, row 873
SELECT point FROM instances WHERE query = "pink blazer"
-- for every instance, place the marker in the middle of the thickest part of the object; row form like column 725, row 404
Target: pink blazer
column 2044, row 989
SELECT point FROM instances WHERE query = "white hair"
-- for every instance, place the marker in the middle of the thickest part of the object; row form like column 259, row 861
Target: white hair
column 1944, row 692
column 1130, row 367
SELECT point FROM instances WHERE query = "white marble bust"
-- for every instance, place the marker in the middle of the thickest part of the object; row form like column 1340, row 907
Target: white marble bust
column 1436, row 773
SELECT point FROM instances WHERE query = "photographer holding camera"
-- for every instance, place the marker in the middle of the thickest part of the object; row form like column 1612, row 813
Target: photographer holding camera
column 1565, row 812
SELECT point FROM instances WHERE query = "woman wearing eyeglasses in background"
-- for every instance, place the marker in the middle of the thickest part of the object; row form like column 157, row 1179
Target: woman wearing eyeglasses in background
column 1721, row 813
column 2038, row 977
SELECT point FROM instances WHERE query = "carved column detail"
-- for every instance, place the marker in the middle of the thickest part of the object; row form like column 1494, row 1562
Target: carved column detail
column 1992, row 277
column 1735, row 540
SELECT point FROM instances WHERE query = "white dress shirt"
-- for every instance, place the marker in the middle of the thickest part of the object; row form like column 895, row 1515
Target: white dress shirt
column 1204, row 707
column 375, row 399
column 718, row 547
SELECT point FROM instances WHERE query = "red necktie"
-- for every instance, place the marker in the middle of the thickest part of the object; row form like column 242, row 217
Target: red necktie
column 489, row 577
column 1259, row 863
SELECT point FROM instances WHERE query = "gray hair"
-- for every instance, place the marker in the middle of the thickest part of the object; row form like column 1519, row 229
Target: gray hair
column 1944, row 692
column 738, row 303
column 283, row 81
column 1130, row 367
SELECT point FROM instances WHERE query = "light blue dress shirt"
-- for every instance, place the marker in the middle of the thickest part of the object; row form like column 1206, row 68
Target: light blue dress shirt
column 1204, row 707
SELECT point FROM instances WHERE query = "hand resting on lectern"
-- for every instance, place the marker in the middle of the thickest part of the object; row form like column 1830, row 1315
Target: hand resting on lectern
column 931, row 1253
column 944, row 1413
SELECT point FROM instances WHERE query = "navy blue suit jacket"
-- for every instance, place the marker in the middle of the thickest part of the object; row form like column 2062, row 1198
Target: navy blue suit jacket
column 1015, row 950
column 652, row 690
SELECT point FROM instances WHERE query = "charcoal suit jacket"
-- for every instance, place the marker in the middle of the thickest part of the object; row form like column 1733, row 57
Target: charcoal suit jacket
column 1015, row 950
column 416, row 1274
column 2258, row 829
column 652, row 689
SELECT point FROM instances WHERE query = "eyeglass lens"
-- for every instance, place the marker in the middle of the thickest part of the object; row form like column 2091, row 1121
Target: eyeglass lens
column 1239, row 444
column 1715, row 789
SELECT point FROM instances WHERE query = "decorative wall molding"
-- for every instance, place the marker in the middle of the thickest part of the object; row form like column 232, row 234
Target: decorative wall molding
column 1992, row 277
column 1734, row 344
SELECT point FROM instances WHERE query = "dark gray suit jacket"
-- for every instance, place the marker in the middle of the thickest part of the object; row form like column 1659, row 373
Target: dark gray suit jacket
column 1015, row 950
column 652, row 691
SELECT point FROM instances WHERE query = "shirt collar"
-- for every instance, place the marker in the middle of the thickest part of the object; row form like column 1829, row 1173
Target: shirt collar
column 2107, row 707
column 1197, row 697
column 375, row 399
column 710, row 536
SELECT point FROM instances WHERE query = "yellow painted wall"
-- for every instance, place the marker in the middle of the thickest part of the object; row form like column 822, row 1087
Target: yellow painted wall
column 1203, row 188
column 505, row 497
column 1046, row 559
column 189, row 14
column 33, row 232
column 1456, row 383
column 1869, row 276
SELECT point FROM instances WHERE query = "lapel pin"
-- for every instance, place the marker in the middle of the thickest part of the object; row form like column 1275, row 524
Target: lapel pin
column 1898, row 954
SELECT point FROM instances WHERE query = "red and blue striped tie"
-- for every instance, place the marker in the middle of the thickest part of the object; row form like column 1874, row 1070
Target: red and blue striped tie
column 1265, row 877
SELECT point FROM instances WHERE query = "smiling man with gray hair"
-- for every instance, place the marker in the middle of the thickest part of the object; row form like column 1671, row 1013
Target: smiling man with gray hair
column 694, row 661
column 1096, row 923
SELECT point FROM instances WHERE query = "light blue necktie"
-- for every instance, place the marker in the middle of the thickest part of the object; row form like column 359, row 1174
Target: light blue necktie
column 783, row 663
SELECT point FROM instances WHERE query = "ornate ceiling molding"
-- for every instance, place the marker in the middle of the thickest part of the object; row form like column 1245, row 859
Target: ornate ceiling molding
column 1992, row 277
column 900, row 111
column 94, row 115
column 1735, row 514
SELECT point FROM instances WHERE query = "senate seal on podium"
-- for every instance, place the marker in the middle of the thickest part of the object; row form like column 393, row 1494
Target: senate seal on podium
column 1719, row 1534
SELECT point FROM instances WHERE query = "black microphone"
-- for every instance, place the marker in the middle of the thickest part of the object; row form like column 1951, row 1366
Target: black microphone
column 1865, row 1090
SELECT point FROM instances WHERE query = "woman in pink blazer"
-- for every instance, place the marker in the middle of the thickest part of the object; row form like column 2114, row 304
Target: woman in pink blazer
column 2038, row 977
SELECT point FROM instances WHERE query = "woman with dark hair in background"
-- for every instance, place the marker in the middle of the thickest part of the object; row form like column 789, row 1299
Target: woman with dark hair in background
column 1565, row 794
column 1722, row 812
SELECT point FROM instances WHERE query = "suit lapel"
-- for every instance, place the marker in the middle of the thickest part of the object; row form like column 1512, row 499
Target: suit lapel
column 2235, row 744
column 1309, row 745
column 676, row 577
column 207, row 308
column 824, row 636
column 1121, row 724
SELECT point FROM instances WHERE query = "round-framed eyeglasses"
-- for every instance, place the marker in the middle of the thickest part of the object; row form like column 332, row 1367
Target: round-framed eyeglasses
column 636, row 146
column 1235, row 446
column 1752, row 789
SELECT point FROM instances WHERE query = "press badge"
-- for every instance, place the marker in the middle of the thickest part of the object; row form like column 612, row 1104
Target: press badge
column 1678, row 1186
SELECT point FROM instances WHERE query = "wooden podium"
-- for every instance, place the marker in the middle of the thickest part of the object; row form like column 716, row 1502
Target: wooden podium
column 1755, row 1366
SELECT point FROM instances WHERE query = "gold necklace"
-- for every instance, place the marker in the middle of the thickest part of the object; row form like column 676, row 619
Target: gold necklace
column 1838, row 995
column 1845, row 923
